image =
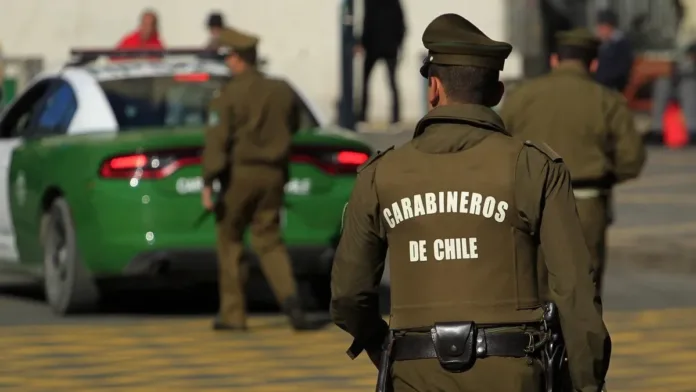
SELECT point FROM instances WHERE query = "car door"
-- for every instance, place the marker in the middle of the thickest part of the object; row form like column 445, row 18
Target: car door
column 14, row 123
column 26, row 176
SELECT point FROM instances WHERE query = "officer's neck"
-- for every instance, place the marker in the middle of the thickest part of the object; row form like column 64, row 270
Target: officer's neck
column 452, row 102
column 245, row 69
column 573, row 65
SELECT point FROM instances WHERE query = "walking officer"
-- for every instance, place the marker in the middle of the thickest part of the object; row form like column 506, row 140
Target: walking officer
column 247, row 145
column 589, row 125
column 464, row 208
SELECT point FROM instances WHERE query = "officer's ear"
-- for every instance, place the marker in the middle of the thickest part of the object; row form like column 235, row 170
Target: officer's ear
column 495, row 95
column 230, row 60
column 435, row 91
column 593, row 65
column 553, row 60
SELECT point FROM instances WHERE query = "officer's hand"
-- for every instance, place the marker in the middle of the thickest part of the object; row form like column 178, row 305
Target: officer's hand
column 207, row 198
column 375, row 357
column 358, row 49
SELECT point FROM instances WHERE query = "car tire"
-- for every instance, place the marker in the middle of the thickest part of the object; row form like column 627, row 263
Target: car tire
column 68, row 285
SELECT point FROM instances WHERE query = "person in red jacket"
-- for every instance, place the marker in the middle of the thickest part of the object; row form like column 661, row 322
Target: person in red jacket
column 146, row 36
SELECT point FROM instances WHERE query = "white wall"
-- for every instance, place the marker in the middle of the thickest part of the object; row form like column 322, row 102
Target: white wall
column 300, row 38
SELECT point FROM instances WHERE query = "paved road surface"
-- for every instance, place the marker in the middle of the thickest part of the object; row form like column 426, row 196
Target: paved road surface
column 151, row 343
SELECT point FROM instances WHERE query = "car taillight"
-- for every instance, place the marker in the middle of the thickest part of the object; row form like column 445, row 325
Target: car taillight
column 150, row 165
column 192, row 77
column 331, row 160
column 352, row 158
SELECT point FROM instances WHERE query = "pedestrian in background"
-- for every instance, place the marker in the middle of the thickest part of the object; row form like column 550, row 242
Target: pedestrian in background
column 589, row 125
column 383, row 33
column 247, row 147
column 215, row 24
column 146, row 36
column 556, row 17
column 615, row 53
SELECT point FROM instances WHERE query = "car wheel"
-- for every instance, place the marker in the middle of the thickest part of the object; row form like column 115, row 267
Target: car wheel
column 68, row 285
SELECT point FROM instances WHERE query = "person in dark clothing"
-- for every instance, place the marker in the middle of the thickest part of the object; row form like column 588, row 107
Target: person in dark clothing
column 382, row 35
column 554, row 20
column 615, row 54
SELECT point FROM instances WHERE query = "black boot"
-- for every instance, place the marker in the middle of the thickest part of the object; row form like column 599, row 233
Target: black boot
column 298, row 318
column 220, row 325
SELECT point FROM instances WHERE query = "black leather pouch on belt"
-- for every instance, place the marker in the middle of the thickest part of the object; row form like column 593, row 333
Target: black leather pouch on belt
column 455, row 345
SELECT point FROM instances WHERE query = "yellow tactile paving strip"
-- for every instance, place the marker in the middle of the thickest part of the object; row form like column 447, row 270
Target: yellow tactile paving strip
column 653, row 351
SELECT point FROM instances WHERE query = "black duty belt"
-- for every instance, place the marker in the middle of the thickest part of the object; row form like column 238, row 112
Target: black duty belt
column 455, row 341
column 456, row 345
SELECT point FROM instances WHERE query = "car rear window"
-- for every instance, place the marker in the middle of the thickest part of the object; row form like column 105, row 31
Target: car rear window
column 164, row 102
column 161, row 102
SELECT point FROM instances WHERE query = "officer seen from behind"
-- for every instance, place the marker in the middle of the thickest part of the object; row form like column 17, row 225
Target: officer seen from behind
column 589, row 125
column 464, row 208
column 247, row 145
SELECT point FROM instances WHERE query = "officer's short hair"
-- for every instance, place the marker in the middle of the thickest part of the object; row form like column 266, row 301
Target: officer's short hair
column 577, row 53
column 464, row 83
column 249, row 56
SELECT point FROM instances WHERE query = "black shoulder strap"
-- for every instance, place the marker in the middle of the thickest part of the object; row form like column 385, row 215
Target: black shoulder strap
column 544, row 149
column 374, row 158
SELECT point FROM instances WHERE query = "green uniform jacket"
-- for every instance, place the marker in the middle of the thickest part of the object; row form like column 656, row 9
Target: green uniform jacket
column 463, row 176
column 251, row 122
column 590, row 126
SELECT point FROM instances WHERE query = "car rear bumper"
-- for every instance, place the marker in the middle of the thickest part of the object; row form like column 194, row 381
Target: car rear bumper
column 202, row 263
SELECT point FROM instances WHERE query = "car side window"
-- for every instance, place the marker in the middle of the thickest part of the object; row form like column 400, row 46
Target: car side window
column 56, row 112
column 306, row 119
column 16, row 119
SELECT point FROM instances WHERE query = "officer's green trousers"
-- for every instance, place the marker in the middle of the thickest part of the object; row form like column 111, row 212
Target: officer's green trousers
column 492, row 374
column 594, row 218
column 253, row 200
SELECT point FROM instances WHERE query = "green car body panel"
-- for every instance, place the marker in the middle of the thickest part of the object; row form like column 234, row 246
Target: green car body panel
column 116, row 220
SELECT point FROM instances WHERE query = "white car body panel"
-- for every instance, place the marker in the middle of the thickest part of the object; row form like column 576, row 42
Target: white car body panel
column 8, row 246
column 94, row 115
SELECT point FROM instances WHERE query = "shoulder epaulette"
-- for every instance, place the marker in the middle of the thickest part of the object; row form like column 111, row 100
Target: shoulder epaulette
column 620, row 97
column 545, row 149
column 373, row 158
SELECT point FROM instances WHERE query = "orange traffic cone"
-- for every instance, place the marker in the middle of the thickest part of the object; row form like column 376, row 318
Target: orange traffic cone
column 674, row 132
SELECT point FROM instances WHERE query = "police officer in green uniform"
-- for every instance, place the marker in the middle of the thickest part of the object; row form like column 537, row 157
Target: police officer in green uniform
column 464, row 209
column 247, row 145
column 589, row 125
